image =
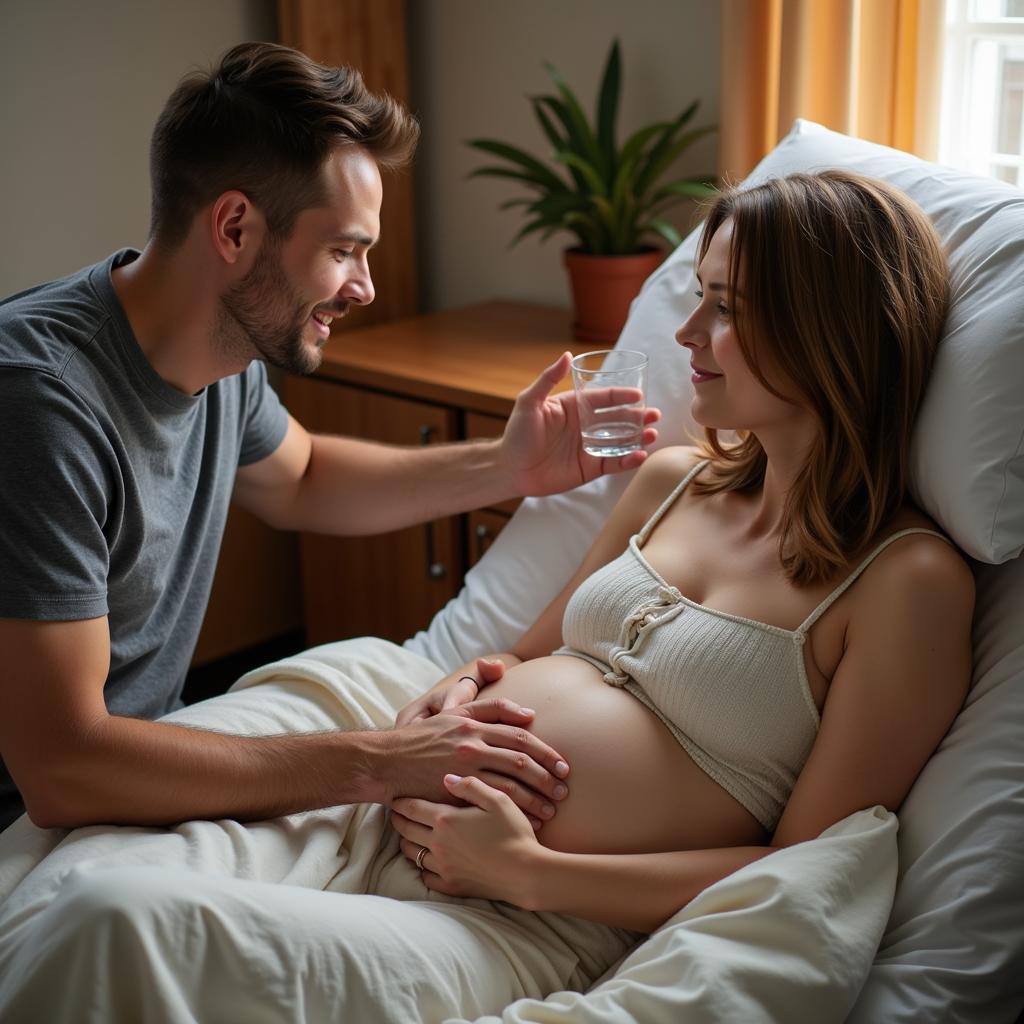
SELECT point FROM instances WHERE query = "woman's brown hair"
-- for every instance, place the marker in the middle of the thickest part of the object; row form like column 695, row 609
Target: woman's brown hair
column 845, row 291
column 264, row 122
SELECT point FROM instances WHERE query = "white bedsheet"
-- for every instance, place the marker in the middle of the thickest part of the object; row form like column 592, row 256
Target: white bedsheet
column 790, row 938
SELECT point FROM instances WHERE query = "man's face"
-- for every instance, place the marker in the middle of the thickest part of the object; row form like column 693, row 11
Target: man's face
column 296, row 286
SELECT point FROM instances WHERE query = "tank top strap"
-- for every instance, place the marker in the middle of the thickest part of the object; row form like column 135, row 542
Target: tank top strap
column 841, row 589
column 668, row 502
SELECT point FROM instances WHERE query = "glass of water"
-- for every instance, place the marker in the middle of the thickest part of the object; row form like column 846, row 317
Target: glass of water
column 611, row 386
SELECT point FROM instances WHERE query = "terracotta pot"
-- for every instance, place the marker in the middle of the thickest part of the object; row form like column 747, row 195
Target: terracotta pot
column 602, row 289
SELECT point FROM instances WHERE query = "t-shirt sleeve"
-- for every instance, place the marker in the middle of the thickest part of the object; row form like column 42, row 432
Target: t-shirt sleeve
column 265, row 420
column 58, row 499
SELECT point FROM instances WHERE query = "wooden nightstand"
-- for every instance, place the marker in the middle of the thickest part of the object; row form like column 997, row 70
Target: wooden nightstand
column 424, row 380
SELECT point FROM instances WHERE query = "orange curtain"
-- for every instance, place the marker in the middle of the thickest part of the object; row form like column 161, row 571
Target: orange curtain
column 869, row 68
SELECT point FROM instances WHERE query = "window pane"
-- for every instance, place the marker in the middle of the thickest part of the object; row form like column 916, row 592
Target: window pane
column 995, row 103
column 1011, row 175
column 996, row 10
column 1011, row 107
column 981, row 105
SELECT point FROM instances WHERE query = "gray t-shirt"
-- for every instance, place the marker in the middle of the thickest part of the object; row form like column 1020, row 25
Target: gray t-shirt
column 114, row 486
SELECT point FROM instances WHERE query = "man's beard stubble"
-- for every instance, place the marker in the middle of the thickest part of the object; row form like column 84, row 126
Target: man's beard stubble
column 262, row 317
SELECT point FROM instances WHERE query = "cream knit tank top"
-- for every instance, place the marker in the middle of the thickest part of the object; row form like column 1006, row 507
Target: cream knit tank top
column 733, row 691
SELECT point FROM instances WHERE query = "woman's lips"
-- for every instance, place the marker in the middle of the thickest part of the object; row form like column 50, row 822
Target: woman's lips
column 701, row 376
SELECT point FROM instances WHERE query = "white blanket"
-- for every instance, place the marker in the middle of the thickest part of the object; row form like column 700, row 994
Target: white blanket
column 789, row 938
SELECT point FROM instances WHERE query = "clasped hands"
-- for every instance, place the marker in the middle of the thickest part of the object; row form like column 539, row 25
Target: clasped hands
column 503, row 781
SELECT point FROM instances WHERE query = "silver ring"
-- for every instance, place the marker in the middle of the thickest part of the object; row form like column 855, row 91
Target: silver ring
column 419, row 858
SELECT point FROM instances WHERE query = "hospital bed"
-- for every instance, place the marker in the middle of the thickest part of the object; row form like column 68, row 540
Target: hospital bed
column 876, row 921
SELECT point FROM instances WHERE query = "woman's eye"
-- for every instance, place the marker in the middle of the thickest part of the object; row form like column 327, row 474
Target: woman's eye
column 699, row 294
column 723, row 309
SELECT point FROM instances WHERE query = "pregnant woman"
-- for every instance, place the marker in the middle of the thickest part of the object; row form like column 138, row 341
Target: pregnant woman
column 765, row 637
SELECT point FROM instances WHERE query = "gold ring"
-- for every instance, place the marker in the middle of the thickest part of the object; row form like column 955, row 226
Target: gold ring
column 419, row 858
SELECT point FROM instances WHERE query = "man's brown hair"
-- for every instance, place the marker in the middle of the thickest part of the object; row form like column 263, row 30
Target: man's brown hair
column 264, row 122
column 845, row 292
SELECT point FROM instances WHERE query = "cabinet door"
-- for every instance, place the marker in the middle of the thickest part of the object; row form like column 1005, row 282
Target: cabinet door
column 388, row 586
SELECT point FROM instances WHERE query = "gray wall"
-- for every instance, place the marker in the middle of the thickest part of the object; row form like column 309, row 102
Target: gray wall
column 81, row 84
column 474, row 62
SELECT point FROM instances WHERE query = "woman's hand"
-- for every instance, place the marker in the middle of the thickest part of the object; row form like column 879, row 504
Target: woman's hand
column 481, row 850
column 451, row 693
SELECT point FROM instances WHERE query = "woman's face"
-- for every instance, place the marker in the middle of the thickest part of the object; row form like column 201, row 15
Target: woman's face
column 727, row 395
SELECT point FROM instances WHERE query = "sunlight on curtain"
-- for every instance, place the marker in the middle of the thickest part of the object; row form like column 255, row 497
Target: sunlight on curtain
column 869, row 68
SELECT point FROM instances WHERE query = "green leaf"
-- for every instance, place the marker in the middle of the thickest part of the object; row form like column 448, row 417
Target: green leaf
column 557, row 140
column 573, row 141
column 684, row 118
column 539, row 171
column 527, row 229
column 592, row 238
column 635, row 143
column 662, row 228
column 519, row 176
column 658, row 164
column 558, row 205
column 674, row 192
column 607, row 107
column 510, row 203
column 671, row 127
column 700, row 187
column 623, row 210
column 589, row 148
column 596, row 184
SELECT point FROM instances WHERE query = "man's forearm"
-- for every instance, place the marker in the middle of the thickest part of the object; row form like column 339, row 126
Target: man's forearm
column 354, row 487
column 156, row 773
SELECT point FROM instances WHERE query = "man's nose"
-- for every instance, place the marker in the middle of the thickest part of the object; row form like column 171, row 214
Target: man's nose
column 359, row 289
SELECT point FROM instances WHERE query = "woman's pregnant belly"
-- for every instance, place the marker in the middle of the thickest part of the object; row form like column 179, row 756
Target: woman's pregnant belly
column 632, row 787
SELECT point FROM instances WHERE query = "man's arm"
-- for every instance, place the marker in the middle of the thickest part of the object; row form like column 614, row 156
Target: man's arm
column 340, row 485
column 76, row 764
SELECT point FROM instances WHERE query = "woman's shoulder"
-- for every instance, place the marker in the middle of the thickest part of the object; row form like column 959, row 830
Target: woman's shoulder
column 918, row 568
column 670, row 465
column 658, row 476
column 917, row 532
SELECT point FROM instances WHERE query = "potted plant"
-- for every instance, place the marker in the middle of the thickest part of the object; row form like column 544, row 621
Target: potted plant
column 611, row 197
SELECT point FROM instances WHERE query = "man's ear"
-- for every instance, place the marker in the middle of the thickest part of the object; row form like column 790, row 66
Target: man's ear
column 237, row 227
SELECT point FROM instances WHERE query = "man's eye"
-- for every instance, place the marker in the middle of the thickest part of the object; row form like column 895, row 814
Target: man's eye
column 341, row 254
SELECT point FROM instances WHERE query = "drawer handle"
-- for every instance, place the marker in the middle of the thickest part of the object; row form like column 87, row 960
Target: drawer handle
column 435, row 570
column 483, row 536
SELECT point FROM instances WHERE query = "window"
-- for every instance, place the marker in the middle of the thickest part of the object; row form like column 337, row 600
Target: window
column 982, row 127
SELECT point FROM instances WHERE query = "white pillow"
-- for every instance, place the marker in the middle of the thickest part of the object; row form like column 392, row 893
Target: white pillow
column 958, row 921
column 968, row 453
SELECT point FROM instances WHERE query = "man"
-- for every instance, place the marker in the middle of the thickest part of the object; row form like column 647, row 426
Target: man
column 134, row 405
